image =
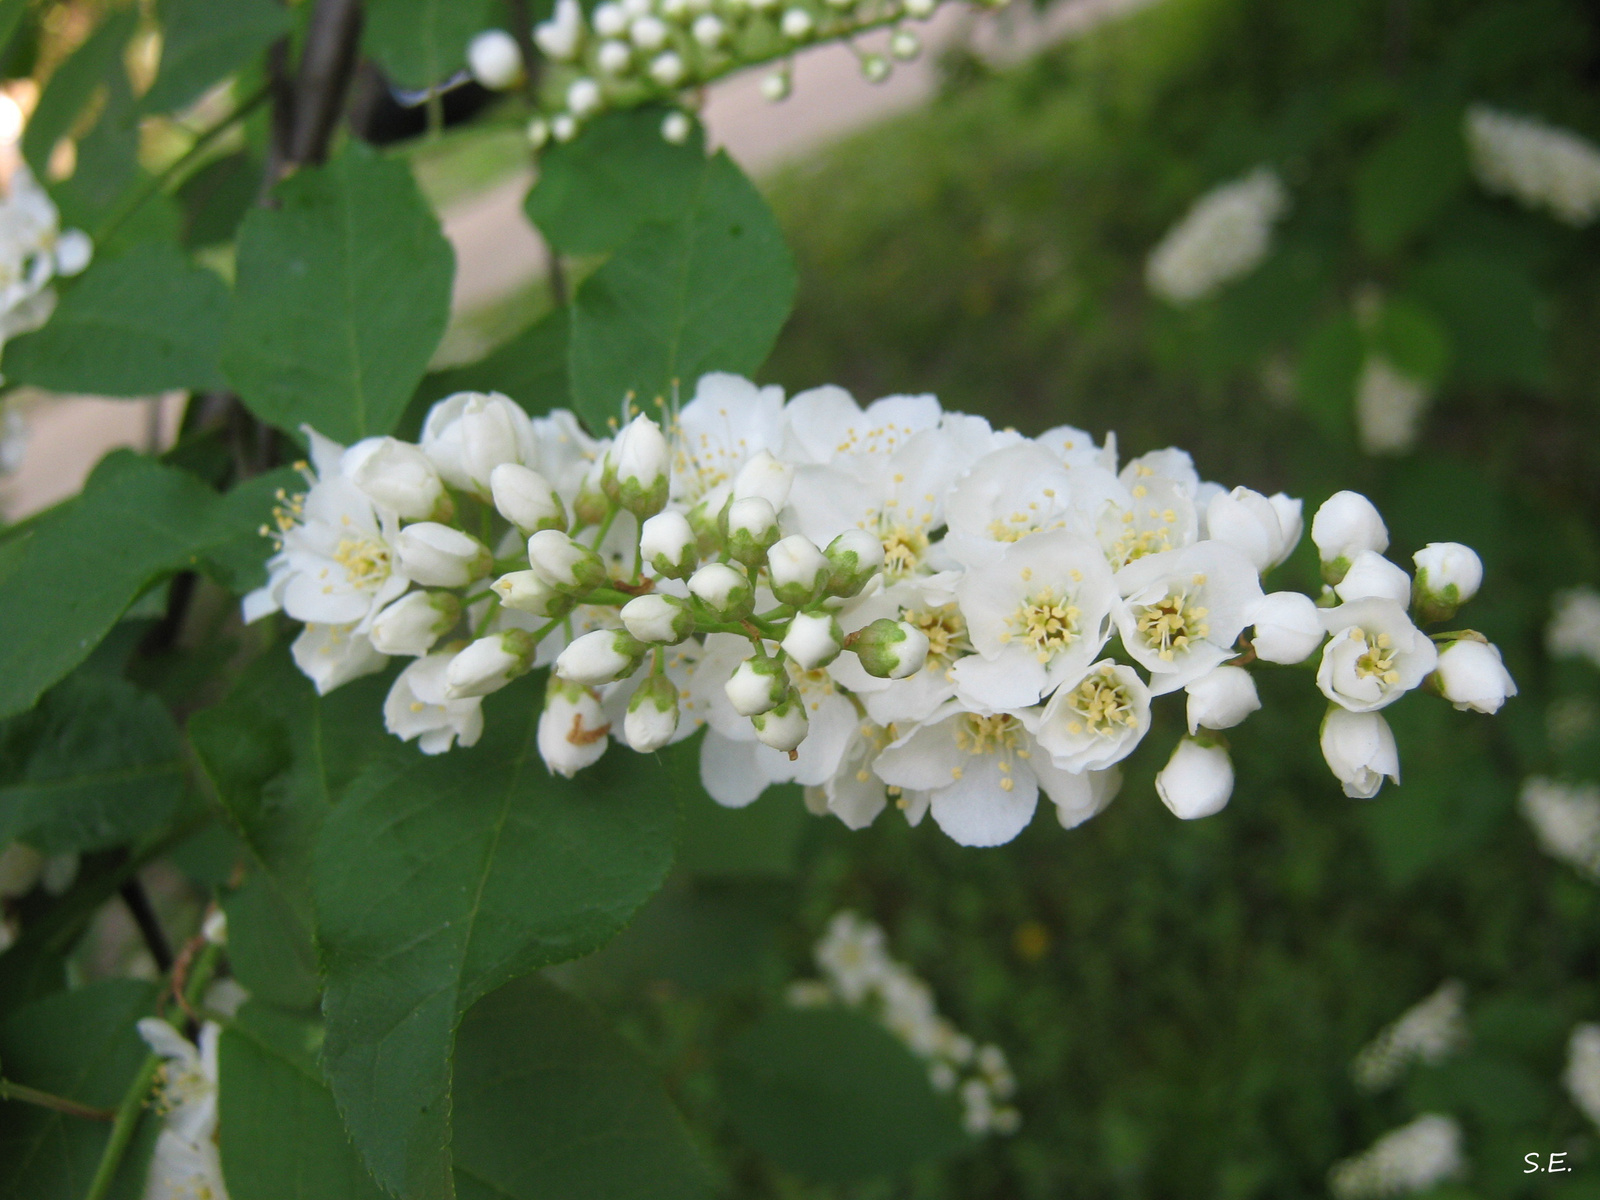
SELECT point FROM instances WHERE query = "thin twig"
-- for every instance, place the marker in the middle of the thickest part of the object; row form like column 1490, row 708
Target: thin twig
column 144, row 916
column 11, row 1090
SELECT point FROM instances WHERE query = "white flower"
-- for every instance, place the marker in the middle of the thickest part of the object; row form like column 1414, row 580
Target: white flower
column 1096, row 722
column 1390, row 406
column 572, row 728
column 610, row 19
column 1225, row 235
column 797, row 24
column 419, row 706
column 1197, row 780
column 797, row 569
column 648, row 33
column 185, row 1162
column 1582, row 1075
column 1346, row 525
column 413, row 623
column 637, row 466
column 1079, row 797
column 1448, row 575
column 1360, row 751
column 652, row 717
column 564, row 563
column 1373, row 577
column 654, row 617
column 1221, row 699
column 1566, row 820
column 488, row 664
column 668, row 69
column 398, row 476
column 468, row 435
column 1375, row 655
column 1574, row 629
column 600, row 657
column 813, row 640
column 1540, row 165
column 1184, row 610
column 1037, row 616
column 562, row 35
column 1020, row 490
column 494, row 59
column 1288, row 627
column 1157, row 514
column 215, row 927
column 437, row 555
column 854, row 793
column 766, row 476
column 852, row 956
column 1472, row 676
column 525, row 498
column 709, row 30
column 74, row 249
column 614, row 58
column 667, row 544
column 1412, row 1158
column 1427, row 1032
column 983, row 773
column 332, row 655
column 729, row 421
column 1264, row 529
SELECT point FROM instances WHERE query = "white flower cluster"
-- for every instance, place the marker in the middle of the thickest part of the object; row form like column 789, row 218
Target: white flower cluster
column 857, row 972
column 1566, row 820
column 22, row 868
column 891, row 603
column 1574, row 629
column 185, row 1163
column 1537, row 164
column 1225, row 235
column 1582, row 1075
column 1410, row 1159
column 1390, row 405
column 1428, row 1032
column 33, row 251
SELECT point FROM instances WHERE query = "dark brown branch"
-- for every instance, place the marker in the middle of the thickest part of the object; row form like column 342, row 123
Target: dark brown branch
column 327, row 64
column 144, row 916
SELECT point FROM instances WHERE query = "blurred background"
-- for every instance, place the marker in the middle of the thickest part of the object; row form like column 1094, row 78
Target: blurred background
column 1181, row 1003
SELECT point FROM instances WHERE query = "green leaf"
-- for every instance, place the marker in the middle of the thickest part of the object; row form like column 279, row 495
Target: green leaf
column 424, row 42
column 217, row 196
column 1411, row 337
column 550, row 1102
column 831, row 1095
column 1326, row 377
column 98, row 763
column 707, row 292
column 107, row 160
column 1496, row 315
column 82, row 1045
column 81, row 565
column 761, row 839
column 11, row 14
column 343, row 292
column 531, row 369
column 438, row 880
column 236, row 557
column 278, row 1129
column 204, row 40
column 146, row 322
column 594, row 192
column 72, row 85
column 1409, row 178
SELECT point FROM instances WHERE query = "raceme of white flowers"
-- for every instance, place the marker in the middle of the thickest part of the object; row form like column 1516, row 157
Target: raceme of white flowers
column 1428, row 1032
column 33, row 251
column 186, row 1163
column 1390, row 405
column 1539, row 165
column 1407, row 1160
column 631, row 52
column 891, row 604
column 1582, row 1075
column 1225, row 235
column 1566, row 820
column 857, row 972
column 1574, row 629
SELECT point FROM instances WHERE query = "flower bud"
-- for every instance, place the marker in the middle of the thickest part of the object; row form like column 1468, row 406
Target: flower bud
column 1197, row 780
column 468, row 435
column 1250, row 523
column 1448, row 575
column 856, row 556
column 813, row 640
column 875, row 68
column 777, row 86
column 584, row 97
column 660, row 619
column 1472, row 676
column 757, row 685
column 652, row 714
column 635, row 474
column 561, row 36
column 765, row 476
column 494, row 59
column 399, row 477
column 436, row 555
column 709, row 30
column 676, row 128
column 667, row 69
column 572, row 728
column 489, row 663
column 1373, row 577
column 603, row 656
column 1346, row 525
column 1360, row 751
column 797, row 24
column 215, row 927
column 890, row 649
column 527, row 591
column 905, row 45
column 798, row 570
column 610, row 20
column 667, row 543
column 752, row 529
column 74, row 249
column 784, row 726
column 413, row 623
column 590, row 505
column 525, row 498
column 722, row 589
column 1221, row 698
column 1288, row 628
column 566, row 565
column 648, row 33
column 614, row 57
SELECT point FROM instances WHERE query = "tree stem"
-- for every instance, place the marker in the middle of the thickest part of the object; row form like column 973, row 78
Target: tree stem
column 144, row 916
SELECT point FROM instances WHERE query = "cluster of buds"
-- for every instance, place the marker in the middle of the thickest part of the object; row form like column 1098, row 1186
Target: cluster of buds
column 626, row 53
column 890, row 605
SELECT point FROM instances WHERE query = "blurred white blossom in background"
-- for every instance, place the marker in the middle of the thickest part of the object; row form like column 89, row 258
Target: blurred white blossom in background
column 1428, row 1032
column 1410, row 1159
column 1390, row 406
column 1566, row 818
column 1225, row 235
column 1574, row 629
column 1582, row 1075
column 1537, row 164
